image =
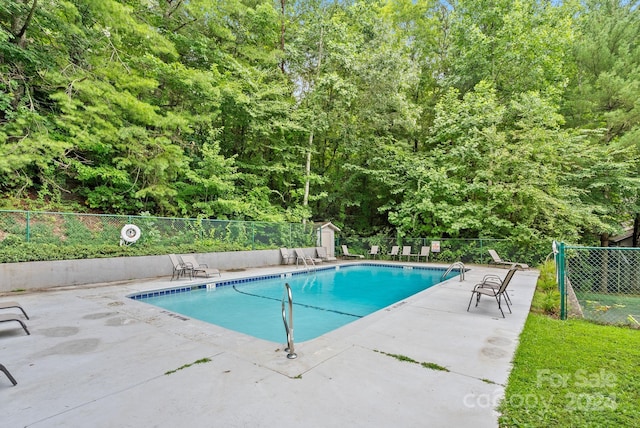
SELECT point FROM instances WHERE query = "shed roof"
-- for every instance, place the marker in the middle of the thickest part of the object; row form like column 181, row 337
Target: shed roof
column 328, row 225
column 625, row 235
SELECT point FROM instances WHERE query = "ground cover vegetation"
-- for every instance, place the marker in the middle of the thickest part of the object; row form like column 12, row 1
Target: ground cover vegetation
column 462, row 119
column 573, row 373
column 570, row 372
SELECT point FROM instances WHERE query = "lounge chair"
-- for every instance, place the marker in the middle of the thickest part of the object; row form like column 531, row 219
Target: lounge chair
column 373, row 252
column 406, row 251
column 179, row 268
column 345, row 253
column 306, row 260
column 394, row 252
column 424, row 252
column 287, row 257
column 11, row 317
column 7, row 305
column 322, row 254
column 5, row 371
column 501, row 262
column 497, row 293
column 196, row 267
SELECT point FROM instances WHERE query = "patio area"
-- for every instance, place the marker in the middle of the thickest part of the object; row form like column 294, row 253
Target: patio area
column 96, row 357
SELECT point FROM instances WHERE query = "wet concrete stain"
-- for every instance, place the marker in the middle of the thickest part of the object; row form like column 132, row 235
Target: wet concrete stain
column 493, row 353
column 60, row 331
column 499, row 341
column 118, row 321
column 72, row 347
column 99, row 315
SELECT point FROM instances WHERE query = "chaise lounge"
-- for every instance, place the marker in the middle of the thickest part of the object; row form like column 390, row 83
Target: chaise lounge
column 8, row 305
column 287, row 257
column 373, row 252
column 424, row 252
column 322, row 254
column 406, row 251
column 501, row 262
column 394, row 252
column 11, row 317
column 179, row 268
column 306, row 260
column 191, row 263
column 345, row 253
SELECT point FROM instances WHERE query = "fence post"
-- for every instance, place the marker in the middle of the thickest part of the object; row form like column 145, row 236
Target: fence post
column 561, row 281
column 28, row 231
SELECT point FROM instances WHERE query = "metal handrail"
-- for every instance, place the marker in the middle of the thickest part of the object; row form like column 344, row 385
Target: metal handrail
column 288, row 326
column 306, row 266
column 453, row 265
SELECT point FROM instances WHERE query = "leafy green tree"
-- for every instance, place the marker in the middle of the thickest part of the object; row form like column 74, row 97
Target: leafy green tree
column 494, row 170
column 519, row 45
column 604, row 95
column 29, row 153
column 352, row 85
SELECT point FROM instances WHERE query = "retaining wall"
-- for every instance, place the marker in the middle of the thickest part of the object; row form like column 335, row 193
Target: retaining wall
column 38, row 275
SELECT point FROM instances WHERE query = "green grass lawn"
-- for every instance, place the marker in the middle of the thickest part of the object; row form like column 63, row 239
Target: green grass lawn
column 573, row 373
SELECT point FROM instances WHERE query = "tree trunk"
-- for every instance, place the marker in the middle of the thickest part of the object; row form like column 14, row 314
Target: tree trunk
column 19, row 32
column 307, row 172
column 305, row 199
column 282, row 30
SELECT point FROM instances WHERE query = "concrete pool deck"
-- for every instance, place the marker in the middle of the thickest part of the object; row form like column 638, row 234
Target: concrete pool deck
column 97, row 358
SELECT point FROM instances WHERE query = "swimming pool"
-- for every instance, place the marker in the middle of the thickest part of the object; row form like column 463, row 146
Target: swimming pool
column 323, row 300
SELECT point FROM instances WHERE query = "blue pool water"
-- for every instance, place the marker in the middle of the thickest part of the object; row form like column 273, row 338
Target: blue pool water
column 323, row 300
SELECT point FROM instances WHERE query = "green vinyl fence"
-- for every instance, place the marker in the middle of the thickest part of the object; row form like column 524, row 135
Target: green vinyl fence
column 601, row 284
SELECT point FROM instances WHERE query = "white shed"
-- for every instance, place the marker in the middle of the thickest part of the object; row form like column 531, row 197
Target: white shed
column 326, row 233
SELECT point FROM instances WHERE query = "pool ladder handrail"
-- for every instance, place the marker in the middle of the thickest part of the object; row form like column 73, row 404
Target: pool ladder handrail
column 306, row 266
column 288, row 327
column 453, row 265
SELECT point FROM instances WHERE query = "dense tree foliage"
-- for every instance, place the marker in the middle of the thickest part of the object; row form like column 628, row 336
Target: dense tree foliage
column 465, row 118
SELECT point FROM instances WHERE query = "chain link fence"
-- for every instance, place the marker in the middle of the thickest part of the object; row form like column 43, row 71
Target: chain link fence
column 67, row 229
column 454, row 250
column 600, row 284
column 97, row 229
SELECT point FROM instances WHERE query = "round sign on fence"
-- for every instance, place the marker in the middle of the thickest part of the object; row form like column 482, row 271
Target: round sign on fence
column 130, row 233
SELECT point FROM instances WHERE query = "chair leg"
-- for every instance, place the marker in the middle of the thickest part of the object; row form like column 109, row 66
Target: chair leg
column 24, row 326
column 506, row 300
column 470, row 299
column 5, row 371
column 506, row 296
column 500, row 306
column 23, row 311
